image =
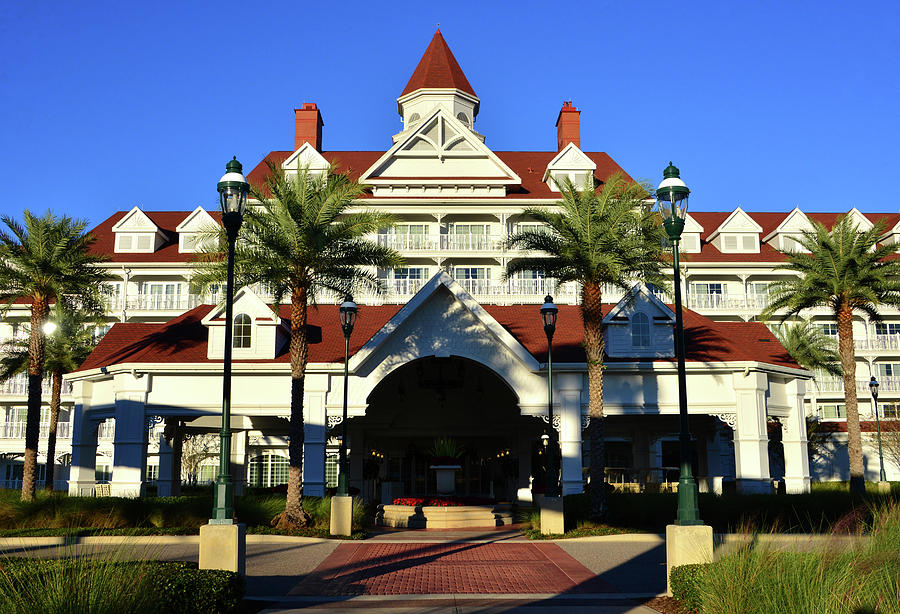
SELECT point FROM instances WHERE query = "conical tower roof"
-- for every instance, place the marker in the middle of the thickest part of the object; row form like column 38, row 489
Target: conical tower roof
column 438, row 69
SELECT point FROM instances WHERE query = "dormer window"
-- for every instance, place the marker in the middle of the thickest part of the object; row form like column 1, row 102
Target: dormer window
column 739, row 242
column 134, row 242
column 640, row 330
column 242, row 331
column 412, row 120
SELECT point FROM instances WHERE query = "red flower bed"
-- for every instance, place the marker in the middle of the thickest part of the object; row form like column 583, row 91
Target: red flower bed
column 443, row 501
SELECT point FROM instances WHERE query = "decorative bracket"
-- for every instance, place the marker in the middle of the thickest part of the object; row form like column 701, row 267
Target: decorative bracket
column 153, row 421
column 585, row 421
column 556, row 421
column 333, row 421
column 728, row 419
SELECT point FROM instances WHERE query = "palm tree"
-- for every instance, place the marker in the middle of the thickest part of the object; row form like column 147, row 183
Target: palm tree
column 845, row 270
column 65, row 350
column 301, row 238
column 608, row 236
column 45, row 261
column 809, row 346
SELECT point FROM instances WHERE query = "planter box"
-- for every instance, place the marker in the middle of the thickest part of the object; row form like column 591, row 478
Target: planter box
column 450, row 517
column 446, row 478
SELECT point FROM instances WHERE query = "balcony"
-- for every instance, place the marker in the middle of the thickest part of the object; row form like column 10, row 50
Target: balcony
column 160, row 302
column 726, row 302
column 878, row 343
column 18, row 386
column 16, row 430
column 836, row 384
column 407, row 242
column 472, row 243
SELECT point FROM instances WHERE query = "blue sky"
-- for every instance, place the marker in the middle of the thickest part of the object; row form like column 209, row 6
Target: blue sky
column 764, row 104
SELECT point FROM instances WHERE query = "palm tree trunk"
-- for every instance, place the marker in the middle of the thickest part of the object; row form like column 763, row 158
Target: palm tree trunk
column 39, row 309
column 592, row 316
column 294, row 514
column 848, row 365
column 56, row 392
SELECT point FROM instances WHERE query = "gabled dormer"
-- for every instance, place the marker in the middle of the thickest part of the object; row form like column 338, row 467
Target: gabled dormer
column 786, row 236
column 739, row 233
column 570, row 163
column 197, row 228
column 690, row 236
column 440, row 158
column 136, row 233
column 892, row 234
column 640, row 326
column 305, row 157
column 258, row 331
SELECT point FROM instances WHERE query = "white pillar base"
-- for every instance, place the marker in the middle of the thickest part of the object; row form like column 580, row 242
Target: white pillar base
column 794, row 485
column 553, row 520
column 131, row 490
column 341, row 515
column 687, row 545
column 223, row 546
column 81, row 489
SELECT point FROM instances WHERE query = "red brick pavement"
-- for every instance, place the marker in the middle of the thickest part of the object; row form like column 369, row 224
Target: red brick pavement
column 463, row 568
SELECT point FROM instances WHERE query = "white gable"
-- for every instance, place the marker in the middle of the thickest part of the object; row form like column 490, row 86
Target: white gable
column 690, row 236
column 440, row 157
column 571, row 163
column 136, row 233
column 305, row 157
column 135, row 221
column 738, row 233
column 198, row 220
column 860, row 220
column 691, row 225
column 738, row 221
column 785, row 236
column 268, row 333
column 640, row 326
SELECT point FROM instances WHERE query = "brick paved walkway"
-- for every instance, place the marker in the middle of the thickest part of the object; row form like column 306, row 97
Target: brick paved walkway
column 449, row 568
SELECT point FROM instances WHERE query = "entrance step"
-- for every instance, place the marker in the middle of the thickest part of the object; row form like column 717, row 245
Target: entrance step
column 450, row 517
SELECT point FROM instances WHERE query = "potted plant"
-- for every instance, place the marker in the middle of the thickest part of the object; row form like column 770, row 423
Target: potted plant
column 445, row 455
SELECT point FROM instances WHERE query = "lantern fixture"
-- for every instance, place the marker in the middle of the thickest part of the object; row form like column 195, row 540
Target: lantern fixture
column 549, row 312
column 672, row 201
column 348, row 311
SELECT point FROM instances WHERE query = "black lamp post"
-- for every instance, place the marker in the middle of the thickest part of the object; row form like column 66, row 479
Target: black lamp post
column 348, row 313
column 873, row 387
column 672, row 200
column 233, row 190
column 549, row 312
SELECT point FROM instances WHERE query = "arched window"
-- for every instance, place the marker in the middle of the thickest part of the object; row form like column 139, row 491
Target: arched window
column 242, row 331
column 462, row 117
column 412, row 120
column 640, row 330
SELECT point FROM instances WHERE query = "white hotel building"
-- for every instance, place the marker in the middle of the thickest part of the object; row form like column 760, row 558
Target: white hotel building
column 452, row 348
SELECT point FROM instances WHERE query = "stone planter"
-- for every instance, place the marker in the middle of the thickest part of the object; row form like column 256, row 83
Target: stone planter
column 450, row 517
column 446, row 478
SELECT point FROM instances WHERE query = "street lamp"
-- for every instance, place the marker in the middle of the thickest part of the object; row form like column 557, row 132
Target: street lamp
column 873, row 387
column 672, row 200
column 549, row 312
column 233, row 190
column 348, row 311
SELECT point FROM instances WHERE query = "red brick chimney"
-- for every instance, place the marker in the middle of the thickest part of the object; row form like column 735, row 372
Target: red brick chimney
column 308, row 126
column 568, row 126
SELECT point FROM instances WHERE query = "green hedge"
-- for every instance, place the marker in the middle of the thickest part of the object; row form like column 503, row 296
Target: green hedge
column 100, row 586
column 685, row 581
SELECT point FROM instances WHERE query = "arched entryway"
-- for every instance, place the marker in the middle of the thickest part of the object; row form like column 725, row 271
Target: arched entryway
column 454, row 398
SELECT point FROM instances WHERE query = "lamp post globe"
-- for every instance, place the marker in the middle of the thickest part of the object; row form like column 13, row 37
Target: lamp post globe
column 233, row 190
column 672, row 201
column 549, row 312
column 873, row 388
column 348, row 312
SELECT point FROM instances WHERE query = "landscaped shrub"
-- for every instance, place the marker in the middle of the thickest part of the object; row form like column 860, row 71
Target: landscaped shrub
column 94, row 585
column 685, row 581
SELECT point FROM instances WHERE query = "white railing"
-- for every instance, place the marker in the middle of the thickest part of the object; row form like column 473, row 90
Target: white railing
column 16, row 430
column 878, row 342
column 17, row 385
column 106, row 430
column 403, row 242
column 471, row 243
column 726, row 302
column 16, row 484
column 161, row 302
column 532, row 286
column 836, row 384
column 404, row 287
column 476, row 286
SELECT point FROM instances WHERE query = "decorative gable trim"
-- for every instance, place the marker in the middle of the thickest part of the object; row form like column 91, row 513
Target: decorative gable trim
column 307, row 156
column 438, row 281
column 439, row 157
column 639, row 293
column 738, row 221
column 861, row 220
column 650, row 337
column 795, row 222
column 570, row 162
column 268, row 332
column 198, row 222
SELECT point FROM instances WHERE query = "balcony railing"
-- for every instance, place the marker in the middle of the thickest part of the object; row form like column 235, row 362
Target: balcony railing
column 471, row 243
column 878, row 342
column 836, row 384
column 16, row 430
column 406, row 242
column 18, row 386
column 161, row 302
column 727, row 302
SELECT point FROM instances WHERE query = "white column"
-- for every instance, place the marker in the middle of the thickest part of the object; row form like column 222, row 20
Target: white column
column 239, row 461
column 83, row 469
column 568, row 399
column 796, row 453
column 164, row 478
column 751, row 441
column 314, row 435
column 130, row 443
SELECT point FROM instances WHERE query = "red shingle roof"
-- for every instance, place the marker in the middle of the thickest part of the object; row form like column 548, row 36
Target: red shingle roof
column 166, row 221
column 438, row 69
column 184, row 339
